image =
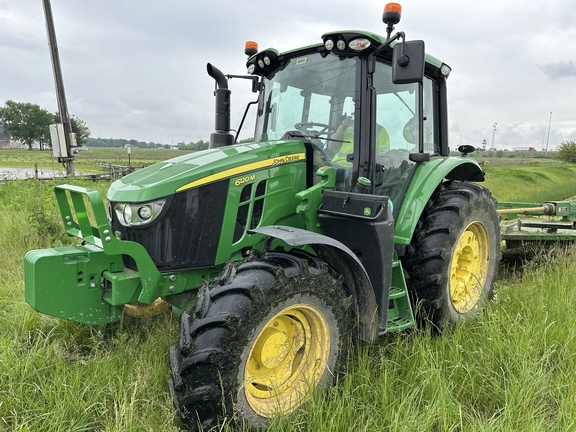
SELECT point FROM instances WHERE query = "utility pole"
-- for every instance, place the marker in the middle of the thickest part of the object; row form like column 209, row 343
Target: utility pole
column 62, row 137
column 548, row 139
column 494, row 134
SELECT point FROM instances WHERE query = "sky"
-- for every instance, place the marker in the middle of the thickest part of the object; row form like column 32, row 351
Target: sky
column 136, row 69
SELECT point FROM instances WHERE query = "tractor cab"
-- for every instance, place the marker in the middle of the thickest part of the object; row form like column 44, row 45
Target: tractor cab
column 351, row 100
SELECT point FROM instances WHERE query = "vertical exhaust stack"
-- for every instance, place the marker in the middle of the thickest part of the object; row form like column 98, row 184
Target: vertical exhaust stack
column 222, row 135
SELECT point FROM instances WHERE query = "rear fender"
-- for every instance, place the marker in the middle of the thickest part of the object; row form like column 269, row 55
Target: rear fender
column 426, row 179
column 344, row 261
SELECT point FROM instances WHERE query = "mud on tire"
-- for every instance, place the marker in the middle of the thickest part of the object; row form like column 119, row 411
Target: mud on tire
column 452, row 261
column 261, row 338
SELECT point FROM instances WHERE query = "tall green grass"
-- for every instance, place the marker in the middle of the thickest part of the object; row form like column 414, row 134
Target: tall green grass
column 62, row 376
column 511, row 370
column 532, row 184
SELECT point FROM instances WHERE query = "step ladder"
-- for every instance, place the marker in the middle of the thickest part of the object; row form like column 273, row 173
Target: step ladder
column 400, row 315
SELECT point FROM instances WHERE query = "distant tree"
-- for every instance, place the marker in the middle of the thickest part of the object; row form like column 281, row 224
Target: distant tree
column 26, row 122
column 119, row 142
column 79, row 127
column 567, row 151
column 195, row 146
column 202, row 145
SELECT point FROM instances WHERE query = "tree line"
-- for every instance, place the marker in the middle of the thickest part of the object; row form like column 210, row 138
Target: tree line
column 119, row 142
column 28, row 123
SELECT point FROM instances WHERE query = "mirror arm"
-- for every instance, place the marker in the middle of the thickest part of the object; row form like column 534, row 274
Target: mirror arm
column 389, row 41
column 254, row 78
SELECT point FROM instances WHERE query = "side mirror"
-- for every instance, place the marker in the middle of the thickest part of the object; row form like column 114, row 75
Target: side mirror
column 408, row 62
column 465, row 149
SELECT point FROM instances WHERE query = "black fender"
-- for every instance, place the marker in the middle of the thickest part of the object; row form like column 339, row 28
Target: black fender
column 342, row 259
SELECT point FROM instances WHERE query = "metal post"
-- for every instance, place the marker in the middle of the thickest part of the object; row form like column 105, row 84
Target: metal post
column 60, row 94
column 494, row 134
column 548, row 139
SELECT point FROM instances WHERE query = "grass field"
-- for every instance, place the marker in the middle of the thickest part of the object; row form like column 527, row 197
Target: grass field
column 86, row 161
column 511, row 370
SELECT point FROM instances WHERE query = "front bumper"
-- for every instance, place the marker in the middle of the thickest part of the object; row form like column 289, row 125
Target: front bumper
column 89, row 283
column 68, row 283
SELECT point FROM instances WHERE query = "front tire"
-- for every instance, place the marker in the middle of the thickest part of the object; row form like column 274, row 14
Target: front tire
column 452, row 261
column 262, row 338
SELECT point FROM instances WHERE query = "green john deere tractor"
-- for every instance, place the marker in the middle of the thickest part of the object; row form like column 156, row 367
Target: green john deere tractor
column 343, row 216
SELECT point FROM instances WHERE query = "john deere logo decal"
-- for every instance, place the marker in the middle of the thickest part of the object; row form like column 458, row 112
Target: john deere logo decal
column 243, row 169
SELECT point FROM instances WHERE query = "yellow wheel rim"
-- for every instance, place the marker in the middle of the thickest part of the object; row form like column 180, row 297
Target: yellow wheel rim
column 287, row 360
column 469, row 267
column 143, row 310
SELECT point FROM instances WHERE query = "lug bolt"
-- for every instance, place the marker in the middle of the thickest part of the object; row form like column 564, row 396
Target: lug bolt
column 107, row 239
column 275, row 323
column 172, row 288
column 172, row 278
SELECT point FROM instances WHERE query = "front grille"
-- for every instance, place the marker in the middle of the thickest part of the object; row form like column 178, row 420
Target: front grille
column 186, row 234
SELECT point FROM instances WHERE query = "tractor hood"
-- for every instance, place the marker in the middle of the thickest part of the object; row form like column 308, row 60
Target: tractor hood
column 204, row 167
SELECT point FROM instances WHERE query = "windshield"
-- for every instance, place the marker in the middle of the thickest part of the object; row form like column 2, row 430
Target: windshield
column 309, row 94
column 319, row 98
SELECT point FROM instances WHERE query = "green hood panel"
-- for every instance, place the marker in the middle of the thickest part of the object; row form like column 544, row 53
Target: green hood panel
column 195, row 169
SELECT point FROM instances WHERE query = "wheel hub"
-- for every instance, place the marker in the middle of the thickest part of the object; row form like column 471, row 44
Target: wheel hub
column 287, row 360
column 272, row 348
column 469, row 267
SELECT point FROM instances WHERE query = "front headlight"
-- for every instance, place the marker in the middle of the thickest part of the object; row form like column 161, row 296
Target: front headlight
column 131, row 215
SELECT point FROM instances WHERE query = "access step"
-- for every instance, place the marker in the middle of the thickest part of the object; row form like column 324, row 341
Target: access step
column 400, row 315
column 399, row 323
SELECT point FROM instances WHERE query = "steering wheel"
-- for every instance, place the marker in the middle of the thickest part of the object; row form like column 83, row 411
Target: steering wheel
column 394, row 163
column 307, row 128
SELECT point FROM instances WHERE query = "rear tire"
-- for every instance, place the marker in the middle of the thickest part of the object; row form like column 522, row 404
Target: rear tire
column 263, row 336
column 452, row 261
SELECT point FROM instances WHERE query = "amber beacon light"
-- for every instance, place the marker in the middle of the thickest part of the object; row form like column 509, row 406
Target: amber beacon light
column 250, row 48
column 391, row 15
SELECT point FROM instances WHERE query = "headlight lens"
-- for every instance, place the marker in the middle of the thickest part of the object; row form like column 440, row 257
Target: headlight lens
column 359, row 44
column 145, row 213
column 445, row 70
column 127, row 214
column 138, row 214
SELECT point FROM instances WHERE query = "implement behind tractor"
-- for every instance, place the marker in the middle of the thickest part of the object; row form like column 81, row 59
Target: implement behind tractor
column 344, row 217
column 529, row 224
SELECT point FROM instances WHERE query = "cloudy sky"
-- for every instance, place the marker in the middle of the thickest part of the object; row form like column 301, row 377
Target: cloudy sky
column 136, row 69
